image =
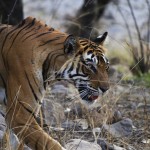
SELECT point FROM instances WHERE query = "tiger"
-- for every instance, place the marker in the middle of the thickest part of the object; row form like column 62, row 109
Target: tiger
column 30, row 53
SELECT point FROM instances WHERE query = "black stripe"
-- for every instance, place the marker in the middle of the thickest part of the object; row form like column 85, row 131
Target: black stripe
column 26, row 33
column 44, row 50
column 7, row 36
column 47, row 63
column 86, row 47
column 35, row 96
column 31, row 24
column 3, row 81
column 4, row 84
column 89, row 52
column 51, row 29
column 15, row 37
column 5, row 100
column 39, row 27
column 71, row 68
column 49, row 41
column 19, row 26
column 22, row 23
column 37, row 84
column 26, row 27
column 75, row 75
column 56, row 38
column 36, row 144
column 60, row 43
column 54, row 59
column 31, row 112
column 45, row 68
column 28, row 37
column 53, row 53
column 62, row 74
column 42, row 34
column 78, row 68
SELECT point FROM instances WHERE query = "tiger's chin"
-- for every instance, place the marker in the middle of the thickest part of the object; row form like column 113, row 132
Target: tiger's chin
column 89, row 99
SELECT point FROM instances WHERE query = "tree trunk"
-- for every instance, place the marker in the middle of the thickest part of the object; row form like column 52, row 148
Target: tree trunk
column 11, row 11
column 86, row 18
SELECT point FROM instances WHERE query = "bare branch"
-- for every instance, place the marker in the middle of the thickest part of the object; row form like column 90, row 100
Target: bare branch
column 148, row 35
column 137, row 28
column 11, row 11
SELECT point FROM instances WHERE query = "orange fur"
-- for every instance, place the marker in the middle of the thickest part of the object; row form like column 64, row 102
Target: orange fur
column 29, row 53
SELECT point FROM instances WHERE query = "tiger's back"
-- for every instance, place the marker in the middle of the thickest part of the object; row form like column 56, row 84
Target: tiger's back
column 23, row 50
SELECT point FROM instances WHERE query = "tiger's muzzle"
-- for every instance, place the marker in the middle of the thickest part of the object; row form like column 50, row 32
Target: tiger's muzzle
column 90, row 94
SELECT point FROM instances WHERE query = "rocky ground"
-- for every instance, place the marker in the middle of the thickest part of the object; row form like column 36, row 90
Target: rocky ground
column 120, row 120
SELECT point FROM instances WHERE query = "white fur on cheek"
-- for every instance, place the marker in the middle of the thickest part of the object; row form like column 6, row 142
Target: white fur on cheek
column 95, row 60
column 89, row 56
column 86, row 56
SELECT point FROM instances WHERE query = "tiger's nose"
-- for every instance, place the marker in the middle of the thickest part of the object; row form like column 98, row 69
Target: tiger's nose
column 104, row 89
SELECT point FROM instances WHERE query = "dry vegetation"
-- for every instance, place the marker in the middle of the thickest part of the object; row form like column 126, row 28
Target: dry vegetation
column 128, row 97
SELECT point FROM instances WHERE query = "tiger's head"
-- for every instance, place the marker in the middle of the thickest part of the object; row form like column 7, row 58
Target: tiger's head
column 87, row 67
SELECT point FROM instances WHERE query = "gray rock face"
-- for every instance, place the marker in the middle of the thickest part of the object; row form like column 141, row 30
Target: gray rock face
column 78, row 144
column 2, row 123
column 53, row 113
column 2, row 95
column 122, row 128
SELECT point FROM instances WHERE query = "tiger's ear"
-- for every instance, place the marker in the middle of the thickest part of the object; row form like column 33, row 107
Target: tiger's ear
column 70, row 45
column 101, row 39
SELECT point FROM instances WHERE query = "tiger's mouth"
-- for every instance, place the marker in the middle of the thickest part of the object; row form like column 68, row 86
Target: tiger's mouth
column 88, row 94
column 89, row 97
column 93, row 97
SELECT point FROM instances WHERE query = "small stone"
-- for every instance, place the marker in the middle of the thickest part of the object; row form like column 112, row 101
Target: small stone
column 68, row 125
column 118, row 147
column 78, row 144
column 53, row 113
column 2, row 122
column 82, row 123
column 122, row 128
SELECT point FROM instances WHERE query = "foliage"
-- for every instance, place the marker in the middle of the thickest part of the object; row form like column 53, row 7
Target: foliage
column 143, row 79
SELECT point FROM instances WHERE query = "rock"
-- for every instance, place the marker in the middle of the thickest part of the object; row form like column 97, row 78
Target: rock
column 78, row 144
column 115, row 117
column 144, row 106
column 68, row 125
column 147, row 141
column 2, row 95
column 122, row 128
column 104, row 144
column 53, row 113
column 76, row 110
column 107, row 146
column 82, row 123
column 14, row 142
column 1, row 135
column 118, row 148
column 2, row 122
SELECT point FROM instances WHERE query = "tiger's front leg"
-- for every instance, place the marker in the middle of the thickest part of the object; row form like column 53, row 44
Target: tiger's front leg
column 21, row 117
column 28, row 131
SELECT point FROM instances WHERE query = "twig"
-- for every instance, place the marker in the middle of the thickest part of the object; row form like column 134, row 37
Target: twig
column 137, row 28
column 129, row 33
column 148, row 35
column 11, row 11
